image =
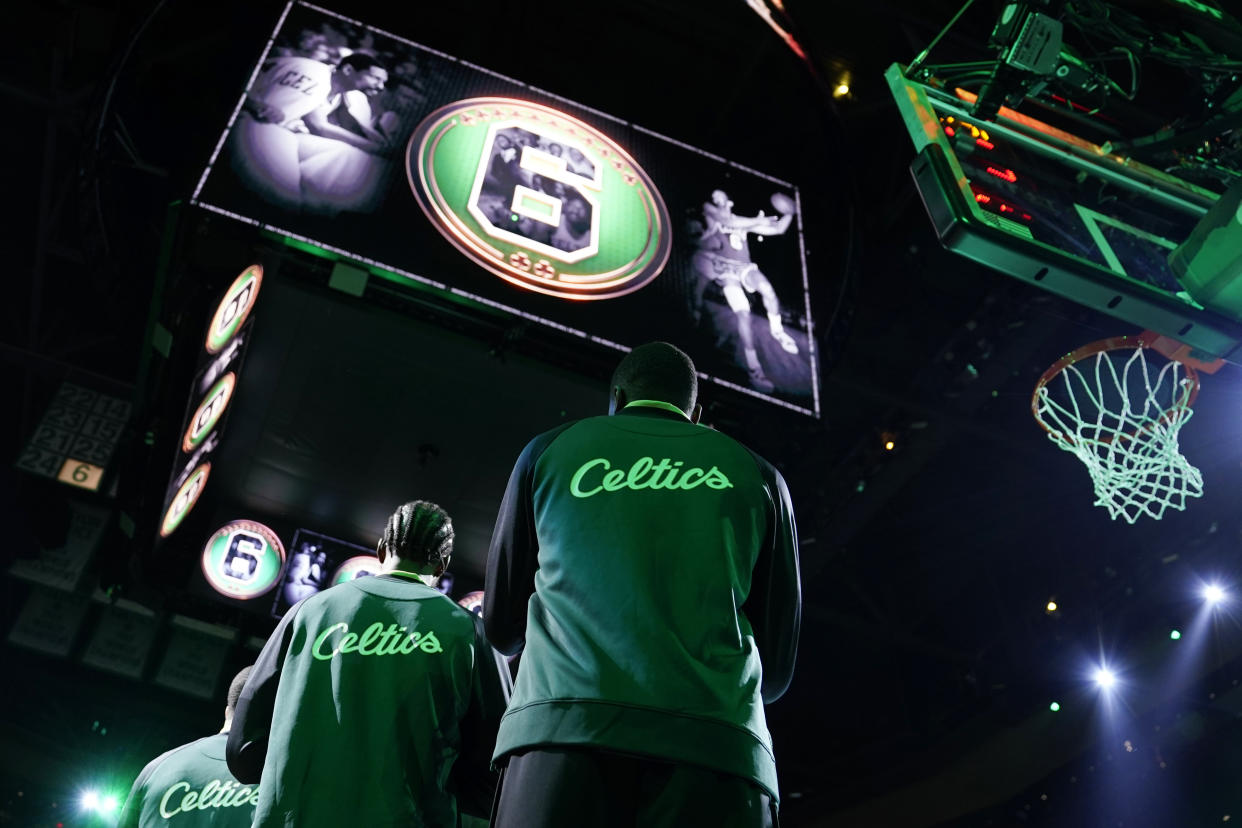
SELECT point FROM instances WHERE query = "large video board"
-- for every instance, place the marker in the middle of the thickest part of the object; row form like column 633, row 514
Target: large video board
column 454, row 177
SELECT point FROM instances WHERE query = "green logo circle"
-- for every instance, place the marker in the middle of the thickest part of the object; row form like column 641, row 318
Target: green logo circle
column 209, row 412
column 242, row 559
column 544, row 201
column 185, row 498
column 233, row 309
column 358, row 566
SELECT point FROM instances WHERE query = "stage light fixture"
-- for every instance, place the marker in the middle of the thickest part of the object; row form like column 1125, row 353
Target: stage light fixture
column 1213, row 594
column 1051, row 606
column 1175, row 634
column 108, row 804
column 90, row 800
column 889, row 445
column 841, row 91
column 1105, row 678
column 1054, row 707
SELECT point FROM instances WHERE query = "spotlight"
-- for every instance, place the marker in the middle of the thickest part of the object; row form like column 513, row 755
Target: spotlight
column 1175, row 634
column 1051, row 606
column 90, row 800
column 841, row 91
column 889, row 445
column 1213, row 594
column 1054, row 707
column 108, row 804
column 1105, row 678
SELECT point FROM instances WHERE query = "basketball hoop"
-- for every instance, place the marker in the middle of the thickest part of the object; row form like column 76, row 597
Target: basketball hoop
column 1120, row 416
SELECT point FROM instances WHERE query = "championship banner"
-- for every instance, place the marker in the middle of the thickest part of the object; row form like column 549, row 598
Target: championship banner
column 122, row 639
column 62, row 566
column 444, row 175
column 49, row 621
column 194, row 657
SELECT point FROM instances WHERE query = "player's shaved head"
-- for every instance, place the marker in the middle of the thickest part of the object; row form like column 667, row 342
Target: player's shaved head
column 657, row 371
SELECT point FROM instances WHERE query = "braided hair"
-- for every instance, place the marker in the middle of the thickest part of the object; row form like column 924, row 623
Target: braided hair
column 419, row 532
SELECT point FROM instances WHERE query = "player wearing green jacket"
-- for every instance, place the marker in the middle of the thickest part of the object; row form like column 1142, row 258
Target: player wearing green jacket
column 370, row 704
column 191, row 786
column 647, row 569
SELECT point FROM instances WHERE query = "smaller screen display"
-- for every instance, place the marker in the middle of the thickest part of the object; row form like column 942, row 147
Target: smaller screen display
column 317, row 562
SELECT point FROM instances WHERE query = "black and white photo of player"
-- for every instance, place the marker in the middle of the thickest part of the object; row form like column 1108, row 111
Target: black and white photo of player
column 508, row 185
column 324, row 118
column 316, row 561
column 723, row 261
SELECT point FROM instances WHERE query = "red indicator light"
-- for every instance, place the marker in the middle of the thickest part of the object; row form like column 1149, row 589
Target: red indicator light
column 1007, row 174
column 1005, row 208
column 982, row 198
column 985, row 144
column 949, row 131
column 1026, row 216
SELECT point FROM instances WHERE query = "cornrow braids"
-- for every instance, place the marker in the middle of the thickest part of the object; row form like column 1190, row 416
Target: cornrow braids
column 421, row 532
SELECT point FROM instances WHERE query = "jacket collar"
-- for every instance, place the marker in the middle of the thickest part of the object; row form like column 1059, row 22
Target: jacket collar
column 654, row 408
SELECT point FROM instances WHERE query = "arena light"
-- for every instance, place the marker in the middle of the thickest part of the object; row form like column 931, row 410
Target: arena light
column 90, row 800
column 108, row 805
column 1214, row 594
column 1054, row 707
column 1104, row 678
column 1175, row 634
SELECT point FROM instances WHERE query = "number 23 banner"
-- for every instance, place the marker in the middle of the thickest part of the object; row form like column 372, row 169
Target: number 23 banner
column 472, row 183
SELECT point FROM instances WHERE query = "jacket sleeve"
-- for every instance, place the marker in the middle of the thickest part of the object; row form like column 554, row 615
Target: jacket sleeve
column 252, row 718
column 513, row 557
column 774, row 606
column 131, row 811
column 473, row 781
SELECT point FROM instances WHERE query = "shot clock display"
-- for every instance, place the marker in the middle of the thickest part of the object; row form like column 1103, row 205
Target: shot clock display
column 1062, row 213
column 475, row 185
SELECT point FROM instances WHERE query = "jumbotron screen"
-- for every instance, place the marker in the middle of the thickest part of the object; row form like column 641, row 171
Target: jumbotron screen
column 417, row 164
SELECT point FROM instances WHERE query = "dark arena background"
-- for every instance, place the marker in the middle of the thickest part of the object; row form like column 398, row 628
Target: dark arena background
column 230, row 347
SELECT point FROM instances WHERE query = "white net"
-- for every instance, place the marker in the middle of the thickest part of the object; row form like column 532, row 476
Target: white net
column 1122, row 423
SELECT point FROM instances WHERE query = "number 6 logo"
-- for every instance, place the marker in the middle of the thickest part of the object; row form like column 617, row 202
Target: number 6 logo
column 544, row 201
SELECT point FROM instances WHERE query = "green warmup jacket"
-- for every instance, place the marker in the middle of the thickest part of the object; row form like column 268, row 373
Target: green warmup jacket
column 190, row 786
column 359, row 706
column 647, row 568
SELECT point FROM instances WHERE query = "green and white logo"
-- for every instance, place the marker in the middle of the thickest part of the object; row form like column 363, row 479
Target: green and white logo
column 242, row 559
column 539, row 198
column 358, row 566
column 209, row 412
column 598, row 475
column 233, row 309
column 185, row 498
